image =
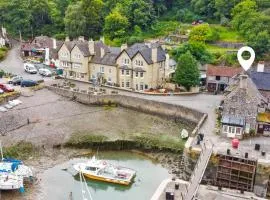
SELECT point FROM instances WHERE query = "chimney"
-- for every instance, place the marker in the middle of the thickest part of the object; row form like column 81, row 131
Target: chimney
column 260, row 67
column 102, row 39
column 67, row 39
column 154, row 54
column 124, row 46
column 91, row 46
column 167, row 61
column 81, row 38
column 54, row 43
column 102, row 52
column 243, row 81
column 4, row 32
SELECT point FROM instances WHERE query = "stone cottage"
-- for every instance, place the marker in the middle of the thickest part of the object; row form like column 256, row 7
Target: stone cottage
column 240, row 108
column 219, row 77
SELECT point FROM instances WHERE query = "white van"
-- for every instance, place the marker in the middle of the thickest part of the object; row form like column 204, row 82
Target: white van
column 30, row 68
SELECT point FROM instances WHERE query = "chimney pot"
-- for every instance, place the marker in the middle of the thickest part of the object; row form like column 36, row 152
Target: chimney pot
column 124, row 46
column 260, row 67
column 154, row 54
column 81, row 38
column 243, row 81
column 91, row 46
column 102, row 52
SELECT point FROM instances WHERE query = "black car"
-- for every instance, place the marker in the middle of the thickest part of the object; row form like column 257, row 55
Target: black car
column 28, row 83
column 16, row 80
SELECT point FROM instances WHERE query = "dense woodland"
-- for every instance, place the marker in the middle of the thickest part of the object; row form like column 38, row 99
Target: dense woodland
column 130, row 20
column 133, row 21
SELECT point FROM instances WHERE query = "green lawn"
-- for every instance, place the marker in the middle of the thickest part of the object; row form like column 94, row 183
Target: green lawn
column 227, row 34
column 217, row 49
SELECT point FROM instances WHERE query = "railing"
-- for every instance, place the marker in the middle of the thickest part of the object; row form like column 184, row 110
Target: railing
column 200, row 167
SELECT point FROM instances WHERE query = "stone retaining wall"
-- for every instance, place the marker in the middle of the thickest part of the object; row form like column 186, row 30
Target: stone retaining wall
column 176, row 112
column 233, row 45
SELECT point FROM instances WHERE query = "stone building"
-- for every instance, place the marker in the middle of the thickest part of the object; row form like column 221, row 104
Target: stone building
column 142, row 66
column 219, row 77
column 138, row 67
column 240, row 108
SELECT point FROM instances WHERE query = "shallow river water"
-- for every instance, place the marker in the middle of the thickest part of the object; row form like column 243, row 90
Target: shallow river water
column 57, row 184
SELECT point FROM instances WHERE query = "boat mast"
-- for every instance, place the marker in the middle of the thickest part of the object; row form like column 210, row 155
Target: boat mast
column 1, row 149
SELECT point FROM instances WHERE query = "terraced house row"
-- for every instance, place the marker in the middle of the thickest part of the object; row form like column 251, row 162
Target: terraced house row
column 139, row 67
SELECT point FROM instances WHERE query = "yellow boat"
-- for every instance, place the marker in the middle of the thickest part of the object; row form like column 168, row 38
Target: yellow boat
column 101, row 170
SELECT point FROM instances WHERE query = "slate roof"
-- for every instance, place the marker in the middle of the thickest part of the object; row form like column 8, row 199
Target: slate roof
column 110, row 54
column 42, row 42
column 233, row 120
column 261, row 80
column 222, row 71
column 146, row 52
column 251, row 90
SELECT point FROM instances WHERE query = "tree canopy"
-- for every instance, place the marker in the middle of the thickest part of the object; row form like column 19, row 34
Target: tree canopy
column 187, row 73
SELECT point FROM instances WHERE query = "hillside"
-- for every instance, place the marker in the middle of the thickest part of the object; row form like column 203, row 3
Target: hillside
column 136, row 20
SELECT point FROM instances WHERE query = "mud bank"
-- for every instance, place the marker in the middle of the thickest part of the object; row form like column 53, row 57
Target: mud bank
column 42, row 159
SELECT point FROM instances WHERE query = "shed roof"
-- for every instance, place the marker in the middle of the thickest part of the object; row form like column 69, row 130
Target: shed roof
column 223, row 71
column 233, row 120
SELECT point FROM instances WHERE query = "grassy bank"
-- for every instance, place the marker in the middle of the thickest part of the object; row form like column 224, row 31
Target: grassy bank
column 3, row 52
column 22, row 150
column 135, row 141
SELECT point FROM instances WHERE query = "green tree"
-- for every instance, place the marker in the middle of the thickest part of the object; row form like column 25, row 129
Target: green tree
column 187, row 73
column 253, row 25
column 224, row 8
column 198, row 50
column 260, row 43
column 93, row 12
column 75, row 21
column 139, row 12
column 116, row 25
column 200, row 33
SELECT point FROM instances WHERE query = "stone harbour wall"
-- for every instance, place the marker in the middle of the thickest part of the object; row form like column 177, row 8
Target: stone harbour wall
column 176, row 112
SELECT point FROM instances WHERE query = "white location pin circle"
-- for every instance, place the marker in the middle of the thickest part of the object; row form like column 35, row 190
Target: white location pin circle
column 246, row 64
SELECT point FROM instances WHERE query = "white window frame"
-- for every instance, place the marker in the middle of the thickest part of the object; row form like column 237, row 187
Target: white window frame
column 127, row 72
column 101, row 69
column 76, row 65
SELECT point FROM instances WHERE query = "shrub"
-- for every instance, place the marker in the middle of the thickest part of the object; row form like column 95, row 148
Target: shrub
column 21, row 150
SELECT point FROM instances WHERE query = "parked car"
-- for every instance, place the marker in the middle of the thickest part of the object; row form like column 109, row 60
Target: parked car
column 16, row 80
column 28, row 83
column 1, row 91
column 45, row 72
column 6, row 88
column 30, row 68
